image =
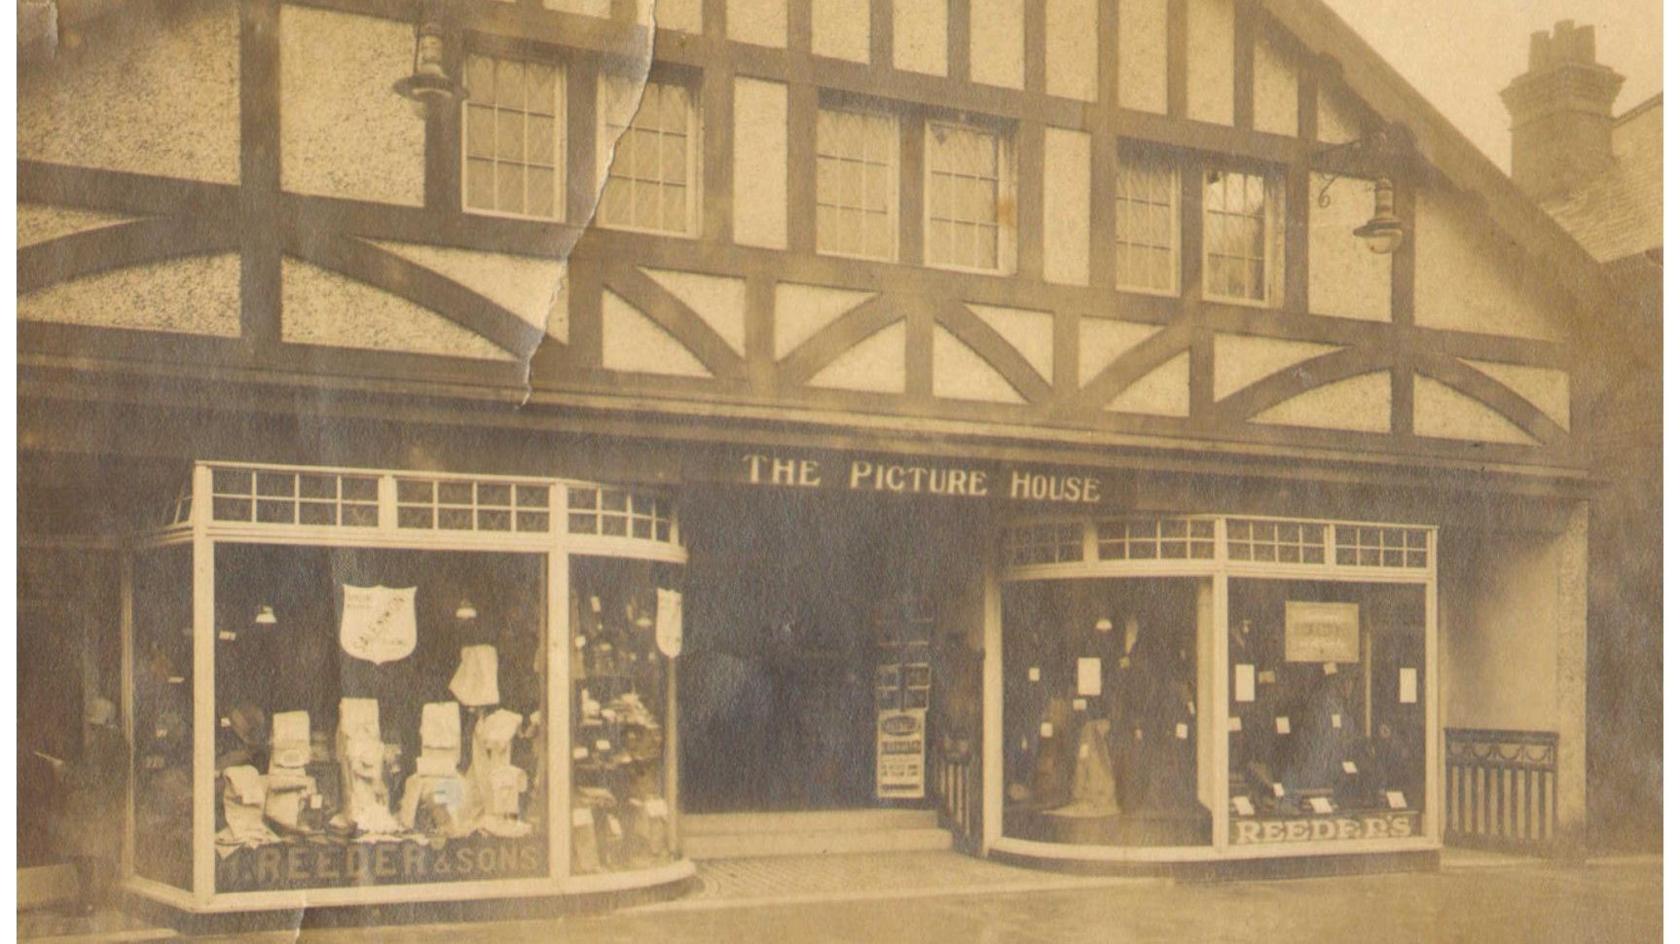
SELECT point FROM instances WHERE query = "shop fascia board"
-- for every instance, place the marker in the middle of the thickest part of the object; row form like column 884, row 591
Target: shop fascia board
column 704, row 423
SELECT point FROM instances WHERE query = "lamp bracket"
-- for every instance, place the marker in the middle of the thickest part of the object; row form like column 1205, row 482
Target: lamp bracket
column 1379, row 147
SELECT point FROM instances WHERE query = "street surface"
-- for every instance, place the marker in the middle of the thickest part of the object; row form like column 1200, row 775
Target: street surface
column 1489, row 900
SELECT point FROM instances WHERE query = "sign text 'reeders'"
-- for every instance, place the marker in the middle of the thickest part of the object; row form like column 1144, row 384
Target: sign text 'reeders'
column 909, row 478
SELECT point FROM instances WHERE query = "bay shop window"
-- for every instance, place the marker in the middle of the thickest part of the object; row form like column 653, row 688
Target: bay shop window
column 372, row 686
column 1184, row 688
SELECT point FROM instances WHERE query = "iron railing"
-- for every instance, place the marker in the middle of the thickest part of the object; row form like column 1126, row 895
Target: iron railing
column 1501, row 789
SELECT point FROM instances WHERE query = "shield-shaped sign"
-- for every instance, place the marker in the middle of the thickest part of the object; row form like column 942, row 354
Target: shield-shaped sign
column 667, row 625
column 378, row 623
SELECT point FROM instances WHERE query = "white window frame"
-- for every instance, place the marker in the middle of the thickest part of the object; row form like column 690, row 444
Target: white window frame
column 605, row 152
column 894, row 166
column 1272, row 246
column 1175, row 223
column 1006, row 231
column 560, row 161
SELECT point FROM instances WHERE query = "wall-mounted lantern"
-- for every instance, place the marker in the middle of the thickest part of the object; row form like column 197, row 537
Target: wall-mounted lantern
column 1383, row 233
column 430, row 87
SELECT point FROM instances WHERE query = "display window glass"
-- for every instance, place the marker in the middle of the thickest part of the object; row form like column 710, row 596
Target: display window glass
column 1105, row 706
column 163, row 715
column 626, row 618
column 1327, row 711
column 380, row 717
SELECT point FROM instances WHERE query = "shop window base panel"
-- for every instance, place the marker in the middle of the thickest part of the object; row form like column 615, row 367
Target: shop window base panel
column 1323, row 865
column 585, row 895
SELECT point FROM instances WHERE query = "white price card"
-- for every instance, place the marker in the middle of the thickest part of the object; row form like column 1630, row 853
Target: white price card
column 1267, row 677
column 1079, row 704
column 1336, row 721
column 1046, row 730
column 1283, row 724
column 668, row 622
column 1245, row 682
column 1408, row 686
column 1277, row 789
column 1320, row 804
column 1396, row 800
column 1182, row 732
column 1329, row 668
column 1349, row 768
column 1032, row 673
column 1090, row 677
column 583, row 817
column 1235, row 723
column 1243, row 805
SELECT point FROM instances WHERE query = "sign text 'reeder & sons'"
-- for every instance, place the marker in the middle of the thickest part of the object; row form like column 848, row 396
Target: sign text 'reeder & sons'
column 912, row 478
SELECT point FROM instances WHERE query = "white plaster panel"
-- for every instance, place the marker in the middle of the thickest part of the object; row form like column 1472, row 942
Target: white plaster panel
column 1067, row 206
column 760, row 22
column 1143, row 55
column 997, row 42
column 1545, row 387
column 919, row 36
column 959, row 373
column 761, row 163
column 1338, row 121
column 1102, row 341
column 153, row 91
column 343, row 132
column 39, row 222
column 1468, row 278
column 1442, row 412
column 1240, row 360
column 840, row 29
column 1277, row 103
column 531, row 288
column 1070, row 55
column 1211, row 64
column 1343, row 277
column 720, row 302
column 875, row 365
column 190, row 295
column 1032, row 333
column 323, row 307
column 681, row 15
column 1498, row 631
column 803, row 310
column 1360, row 404
column 630, row 341
column 1164, row 391
column 602, row 8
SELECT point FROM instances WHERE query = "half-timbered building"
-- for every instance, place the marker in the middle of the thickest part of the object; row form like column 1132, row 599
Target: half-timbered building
column 895, row 422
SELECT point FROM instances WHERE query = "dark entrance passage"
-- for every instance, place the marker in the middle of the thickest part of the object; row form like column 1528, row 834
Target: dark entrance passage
column 788, row 599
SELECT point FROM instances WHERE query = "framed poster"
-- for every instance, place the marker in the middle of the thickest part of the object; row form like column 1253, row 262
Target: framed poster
column 900, row 754
column 1320, row 632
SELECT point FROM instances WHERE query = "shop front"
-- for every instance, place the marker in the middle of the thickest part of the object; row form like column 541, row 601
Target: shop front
column 1183, row 690
column 350, row 686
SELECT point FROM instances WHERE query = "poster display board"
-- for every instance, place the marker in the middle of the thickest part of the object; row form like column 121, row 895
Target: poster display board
column 903, row 689
column 1321, row 632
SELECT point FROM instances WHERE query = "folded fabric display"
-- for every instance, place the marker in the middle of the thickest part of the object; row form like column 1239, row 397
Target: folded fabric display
column 361, row 755
column 294, row 802
column 474, row 682
column 434, row 795
column 494, row 784
column 243, row 794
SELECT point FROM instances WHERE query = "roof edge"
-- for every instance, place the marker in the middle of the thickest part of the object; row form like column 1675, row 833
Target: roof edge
column 1654, row 101
column 1444, row 147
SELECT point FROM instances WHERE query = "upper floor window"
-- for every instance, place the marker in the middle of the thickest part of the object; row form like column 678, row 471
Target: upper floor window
column 510, row 138
column 1240, row 236
column 1146, row 225
column 857, row 184
column 652, row 181
column 968, row 187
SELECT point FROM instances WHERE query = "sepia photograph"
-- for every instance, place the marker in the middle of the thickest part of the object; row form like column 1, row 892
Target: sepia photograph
column 681, row 471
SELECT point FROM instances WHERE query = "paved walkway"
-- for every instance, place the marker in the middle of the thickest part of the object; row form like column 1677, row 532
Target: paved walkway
column 937, row 897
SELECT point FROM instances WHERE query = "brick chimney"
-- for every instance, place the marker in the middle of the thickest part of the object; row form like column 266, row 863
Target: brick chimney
column 1560, row 112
